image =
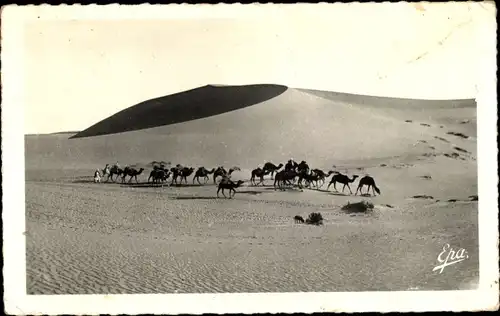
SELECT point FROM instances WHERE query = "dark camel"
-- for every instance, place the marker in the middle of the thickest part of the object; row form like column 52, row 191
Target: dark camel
column 229, row 185
column 343, row 179
column 159, row 175
column 202, row 172
column 132, row 173
column 176, row 172
column 298, row 219
column 370, row 182
column 321, row 175
column 310, row 178
column 115, row 170
column 181, row 172
column 269, row 167
column 260, row 173
column 221, row 172
column 284, row 177
column 302, row 167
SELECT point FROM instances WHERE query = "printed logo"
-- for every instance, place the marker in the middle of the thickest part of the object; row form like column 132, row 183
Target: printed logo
column 449, row 256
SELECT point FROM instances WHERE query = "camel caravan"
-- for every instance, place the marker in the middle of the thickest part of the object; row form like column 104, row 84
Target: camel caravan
column 292, row 175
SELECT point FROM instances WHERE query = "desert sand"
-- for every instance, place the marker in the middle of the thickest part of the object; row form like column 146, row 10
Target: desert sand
column 104, row 238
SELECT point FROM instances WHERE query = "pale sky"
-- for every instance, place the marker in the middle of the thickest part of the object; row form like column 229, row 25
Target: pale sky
column 80, row 68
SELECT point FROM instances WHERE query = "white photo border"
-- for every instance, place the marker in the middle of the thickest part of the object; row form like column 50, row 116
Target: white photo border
column 18, row 302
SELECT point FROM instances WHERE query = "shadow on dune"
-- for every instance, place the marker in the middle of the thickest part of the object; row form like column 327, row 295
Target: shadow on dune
column 184, row 106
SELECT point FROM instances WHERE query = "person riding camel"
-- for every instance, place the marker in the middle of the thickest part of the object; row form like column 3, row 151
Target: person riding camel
column 303, row 167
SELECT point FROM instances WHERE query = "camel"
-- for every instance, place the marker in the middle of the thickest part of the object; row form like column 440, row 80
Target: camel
column 221, row 172
column 370, row 182
column 114, row 170
column 272, row 168
column 258, row 173
column 298, row 219
column 97, row 176
column 132, row 173
column 183, row 173
column 176, row 172
column 105, row 171
column 186, row 172
column 202, row 172
column 322, row 175
column 291, row 165
column 230, row 185
column 284, row 177
column 309, row 178
column 159, row 175
column 341, row 178
column 303, row 167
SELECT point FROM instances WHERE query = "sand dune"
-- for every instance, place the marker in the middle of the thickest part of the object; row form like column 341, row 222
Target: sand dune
column 293, row 124
column 85, row 238
column 184, row 106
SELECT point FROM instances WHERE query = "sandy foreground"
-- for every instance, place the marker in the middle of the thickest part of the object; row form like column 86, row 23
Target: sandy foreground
column 87, row 238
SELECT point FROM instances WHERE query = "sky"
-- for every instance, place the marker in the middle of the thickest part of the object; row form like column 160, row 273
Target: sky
column 81, row 66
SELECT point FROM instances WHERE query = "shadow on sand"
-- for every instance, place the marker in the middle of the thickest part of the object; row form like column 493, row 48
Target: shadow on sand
column 284, row 189
column 348, row 194
column 84, row 181
column 157, row 185
column 195, row 198
column 253, row 192
column 142, row 185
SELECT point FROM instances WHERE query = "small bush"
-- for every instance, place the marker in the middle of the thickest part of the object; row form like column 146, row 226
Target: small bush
column 358, row 207
column 315, row 219
column 423, row 196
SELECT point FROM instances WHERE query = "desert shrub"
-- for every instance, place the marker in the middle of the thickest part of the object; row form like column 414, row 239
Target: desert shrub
column 358, row 207
column 422, row 196
column 315, row 219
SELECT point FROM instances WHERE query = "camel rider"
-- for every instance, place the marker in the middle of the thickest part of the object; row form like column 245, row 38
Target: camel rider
column 303, row 167
column 289, row 165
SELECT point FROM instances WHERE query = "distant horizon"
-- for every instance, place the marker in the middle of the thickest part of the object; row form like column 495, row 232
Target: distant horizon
column 231, row 85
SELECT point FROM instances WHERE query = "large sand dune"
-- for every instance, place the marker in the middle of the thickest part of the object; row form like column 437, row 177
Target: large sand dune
column 184, row 106
column 110, row 238
column 294, row 124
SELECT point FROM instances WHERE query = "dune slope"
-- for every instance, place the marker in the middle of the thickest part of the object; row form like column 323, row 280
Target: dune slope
column 294, row 124
column 184, row 106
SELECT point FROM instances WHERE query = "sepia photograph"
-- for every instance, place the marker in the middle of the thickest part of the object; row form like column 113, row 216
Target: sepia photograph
column 265, row 153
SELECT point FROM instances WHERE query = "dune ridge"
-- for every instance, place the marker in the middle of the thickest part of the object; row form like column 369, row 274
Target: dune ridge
column 377, row 101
